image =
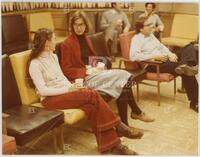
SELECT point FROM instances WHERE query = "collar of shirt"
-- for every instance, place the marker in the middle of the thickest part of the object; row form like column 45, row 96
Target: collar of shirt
column 113, row 11
column 143, row 36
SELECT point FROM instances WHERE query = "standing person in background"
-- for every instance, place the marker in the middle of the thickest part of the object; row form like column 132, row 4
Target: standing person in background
column 114, row 22
column 153, row 18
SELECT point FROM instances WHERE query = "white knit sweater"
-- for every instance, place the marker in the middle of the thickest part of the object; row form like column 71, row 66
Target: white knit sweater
column 48, row 77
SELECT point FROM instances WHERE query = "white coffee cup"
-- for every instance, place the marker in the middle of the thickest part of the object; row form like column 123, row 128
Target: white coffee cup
column 79, row 82
column 89, row 69
column 101, row 65
column 88, row 66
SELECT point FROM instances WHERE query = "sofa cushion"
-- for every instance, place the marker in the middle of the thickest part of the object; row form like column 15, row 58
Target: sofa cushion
column 71, row 116
column 180, row 42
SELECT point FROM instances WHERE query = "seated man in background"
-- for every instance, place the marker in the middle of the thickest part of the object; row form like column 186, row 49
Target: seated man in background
column 114, row 22
column 153, row 18
column 145, row 46
column 75, row 52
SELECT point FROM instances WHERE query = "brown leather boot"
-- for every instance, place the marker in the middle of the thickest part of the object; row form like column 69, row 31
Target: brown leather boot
column 122, row 150
column 126, row 131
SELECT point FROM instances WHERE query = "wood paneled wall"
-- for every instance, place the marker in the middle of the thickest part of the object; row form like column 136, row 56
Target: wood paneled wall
column 165, row 10
column 60, row 23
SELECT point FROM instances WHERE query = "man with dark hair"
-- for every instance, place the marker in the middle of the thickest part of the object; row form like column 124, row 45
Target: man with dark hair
column 114, row 22
column 145, row 46
column 150, row 3
column 153, row 18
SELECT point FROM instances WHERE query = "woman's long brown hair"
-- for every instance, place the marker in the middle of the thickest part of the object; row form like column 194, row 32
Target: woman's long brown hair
column 78, row 15
column 39, row 41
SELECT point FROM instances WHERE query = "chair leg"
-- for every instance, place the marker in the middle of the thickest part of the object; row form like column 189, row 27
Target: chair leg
column 61, row 138
column 138, row 94
column 54, row 134
column 120, row 64
column 174, row 86
column 158, row 88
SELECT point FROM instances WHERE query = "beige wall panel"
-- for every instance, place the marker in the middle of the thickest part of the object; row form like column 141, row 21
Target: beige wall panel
column 167, row 21
column 139, row 6
column 187, row 8
column 165, row 7
column 60, row 25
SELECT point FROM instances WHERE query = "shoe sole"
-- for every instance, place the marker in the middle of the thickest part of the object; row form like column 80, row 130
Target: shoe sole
column 190, row 72
column 179, row 71
column 142, row 119
column 139, row 136
column 186, row 70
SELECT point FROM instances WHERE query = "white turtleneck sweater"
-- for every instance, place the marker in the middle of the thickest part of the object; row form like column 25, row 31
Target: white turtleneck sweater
column 48, row 77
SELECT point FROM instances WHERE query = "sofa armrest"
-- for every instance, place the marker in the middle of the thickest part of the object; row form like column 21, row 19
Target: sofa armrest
column 151, row 62
column 154, row 63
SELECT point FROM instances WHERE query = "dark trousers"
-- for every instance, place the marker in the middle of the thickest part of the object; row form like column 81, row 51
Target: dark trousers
column 188, row 55
column 126, row 98
column 189, row 82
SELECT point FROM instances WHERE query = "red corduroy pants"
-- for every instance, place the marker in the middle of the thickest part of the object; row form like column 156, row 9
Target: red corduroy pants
column 99, row 114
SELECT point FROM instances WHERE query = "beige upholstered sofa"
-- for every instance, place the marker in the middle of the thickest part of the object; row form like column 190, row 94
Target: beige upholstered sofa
column 184, row 30
column 28, row 94
column 41, row 20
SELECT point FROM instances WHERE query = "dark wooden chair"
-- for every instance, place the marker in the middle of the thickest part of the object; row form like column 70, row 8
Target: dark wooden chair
column 14, row 34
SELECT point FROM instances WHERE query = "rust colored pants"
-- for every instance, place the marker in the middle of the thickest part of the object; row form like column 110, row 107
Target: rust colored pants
column 100, row 116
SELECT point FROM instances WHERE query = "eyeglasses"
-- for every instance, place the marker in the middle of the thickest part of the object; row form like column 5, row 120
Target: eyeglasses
column 79, row 25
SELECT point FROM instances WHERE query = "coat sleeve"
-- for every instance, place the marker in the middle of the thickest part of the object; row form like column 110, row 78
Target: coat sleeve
column 69, row 70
